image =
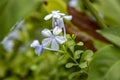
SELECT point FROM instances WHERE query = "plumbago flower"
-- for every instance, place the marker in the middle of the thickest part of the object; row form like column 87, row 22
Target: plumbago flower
column 57, row 18
column 38, row 47
column 52, row 38
column 57, row 15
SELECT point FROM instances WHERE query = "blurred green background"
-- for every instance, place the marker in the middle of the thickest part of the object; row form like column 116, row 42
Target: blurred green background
column 21, row 22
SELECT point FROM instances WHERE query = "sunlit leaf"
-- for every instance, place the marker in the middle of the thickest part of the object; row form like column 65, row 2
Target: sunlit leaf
column 80, row 44
column 55, row 5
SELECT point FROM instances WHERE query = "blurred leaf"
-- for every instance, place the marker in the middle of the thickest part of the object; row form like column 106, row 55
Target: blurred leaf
column 83, row 65
column 69, row 65
column 112, row 34
column 87, row 55
column 73, row 75
column 105, row 64
column 80, row 43
column 12, row 11
column 11, row 78
column 77, row 54
column 110, row 10
column 3, row 68
column 71, row 44
column 55, row 5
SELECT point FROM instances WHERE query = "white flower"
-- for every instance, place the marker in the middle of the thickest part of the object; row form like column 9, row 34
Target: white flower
column 53, row 40
column 57, row 15
column 38, row 48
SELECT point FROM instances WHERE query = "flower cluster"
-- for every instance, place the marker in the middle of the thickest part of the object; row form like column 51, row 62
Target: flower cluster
column 53, row 36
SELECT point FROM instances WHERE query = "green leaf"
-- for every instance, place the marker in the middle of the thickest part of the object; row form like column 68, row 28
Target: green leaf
column 83, row 65
column 12, row 11
column 80, row 43
column 110, row 10
column 70, row 44
column 77, row 54
column 105, row 64
column 87, row 55
column 73, row 75
column 112, row 34
column 69, row 65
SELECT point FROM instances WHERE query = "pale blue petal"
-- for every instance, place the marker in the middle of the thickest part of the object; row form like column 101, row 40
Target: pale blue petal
column 46, row 42
column 60, row 23
column 34, row 43
column 60, row 39
column 39, row 49
column 64, row 31
column 54, row 45
column 53, row 22
column 68, row 17
column 48, row 17
column 56, row 15
column 46, row 32
column 57, row 30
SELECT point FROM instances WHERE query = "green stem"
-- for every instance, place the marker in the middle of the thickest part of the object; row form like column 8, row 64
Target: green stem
column 95, row 13
column 60, row 51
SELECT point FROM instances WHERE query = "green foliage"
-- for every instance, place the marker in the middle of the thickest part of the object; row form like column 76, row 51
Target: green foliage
column 112, row 34
column 87, row 55
column 80, row 44
column 69, row 65
column 83, row 65
column 12, row 11
column 105, row 64
column 72, row 62
column 70, row 43
column 110, row 10
column 18, row 66
column 77, row 58
column 77, row 54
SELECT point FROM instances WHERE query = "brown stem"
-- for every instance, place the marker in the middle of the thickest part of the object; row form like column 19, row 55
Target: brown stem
column 86, row 24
